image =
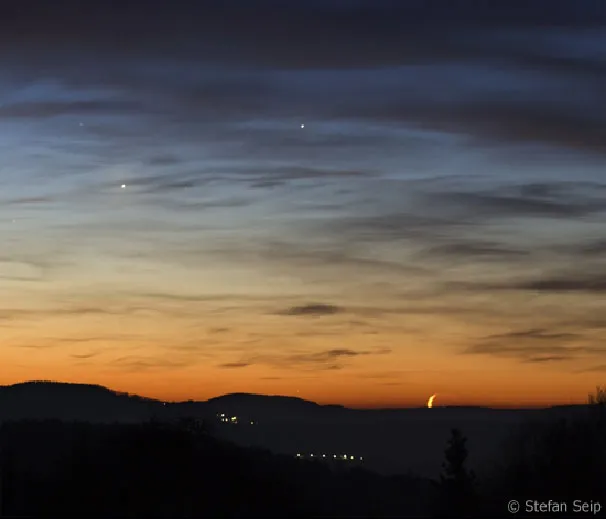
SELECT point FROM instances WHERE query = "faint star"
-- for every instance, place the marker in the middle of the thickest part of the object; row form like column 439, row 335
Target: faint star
column 81, row 124
column 302, row 125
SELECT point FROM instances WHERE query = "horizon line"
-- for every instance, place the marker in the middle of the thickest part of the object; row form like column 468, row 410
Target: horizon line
column 378, row 407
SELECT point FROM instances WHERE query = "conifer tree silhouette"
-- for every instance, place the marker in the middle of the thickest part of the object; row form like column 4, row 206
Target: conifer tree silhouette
column 456, row 486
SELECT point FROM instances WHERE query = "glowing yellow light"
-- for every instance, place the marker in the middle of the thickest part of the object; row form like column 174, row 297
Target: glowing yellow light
column 351, row 458
column 430, row 401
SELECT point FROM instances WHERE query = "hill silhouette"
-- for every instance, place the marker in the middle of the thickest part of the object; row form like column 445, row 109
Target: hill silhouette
column 96, row 403
column 268, row 406
column 391, row 441
column 73, row 401
column 87, row 451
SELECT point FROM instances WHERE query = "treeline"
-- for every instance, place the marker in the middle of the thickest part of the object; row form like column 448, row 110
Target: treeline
column 175, row 470
column 562, row 461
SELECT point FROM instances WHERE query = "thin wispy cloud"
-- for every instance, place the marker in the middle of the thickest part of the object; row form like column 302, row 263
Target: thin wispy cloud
column 133, row 363
column 88, row 355
column 565, row 283
column 313, row 309
column 538, row 346
column 334, row 359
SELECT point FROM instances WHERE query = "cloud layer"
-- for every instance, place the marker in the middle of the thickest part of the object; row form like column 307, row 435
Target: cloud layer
column 447, row 183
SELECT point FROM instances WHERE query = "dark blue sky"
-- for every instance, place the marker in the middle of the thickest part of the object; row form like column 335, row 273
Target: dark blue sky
column 445, row 195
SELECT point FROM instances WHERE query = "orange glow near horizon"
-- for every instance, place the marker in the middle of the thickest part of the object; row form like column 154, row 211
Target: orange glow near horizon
column 350, row 386
column 164, row 348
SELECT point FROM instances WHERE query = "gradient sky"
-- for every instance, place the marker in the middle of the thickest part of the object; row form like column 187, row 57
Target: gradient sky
column 438, row 225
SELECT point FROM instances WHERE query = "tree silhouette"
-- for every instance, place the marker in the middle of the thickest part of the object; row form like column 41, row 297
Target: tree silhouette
column 456, row 491
column 599, row 397
column 597, row 402
column 557, row 454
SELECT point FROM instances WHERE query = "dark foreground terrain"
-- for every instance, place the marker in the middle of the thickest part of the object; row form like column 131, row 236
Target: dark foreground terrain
column 187, row 467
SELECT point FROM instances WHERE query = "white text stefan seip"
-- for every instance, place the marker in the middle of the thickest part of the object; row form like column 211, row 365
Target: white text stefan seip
column 556, row 506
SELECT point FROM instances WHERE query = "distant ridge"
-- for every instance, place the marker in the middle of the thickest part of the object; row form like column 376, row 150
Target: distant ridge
column 84, row 401
column 61, row 385
column 44, row 399
column 251, row 397
column 390, row 440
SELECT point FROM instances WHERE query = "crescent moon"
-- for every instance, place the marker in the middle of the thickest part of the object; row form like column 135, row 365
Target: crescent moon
column 430, row 401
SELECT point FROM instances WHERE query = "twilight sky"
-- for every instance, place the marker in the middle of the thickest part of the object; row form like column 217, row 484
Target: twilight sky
column 438, row 225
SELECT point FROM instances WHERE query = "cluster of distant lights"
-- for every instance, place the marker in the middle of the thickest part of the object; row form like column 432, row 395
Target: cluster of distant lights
column 324, row 456
column 232, row 420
